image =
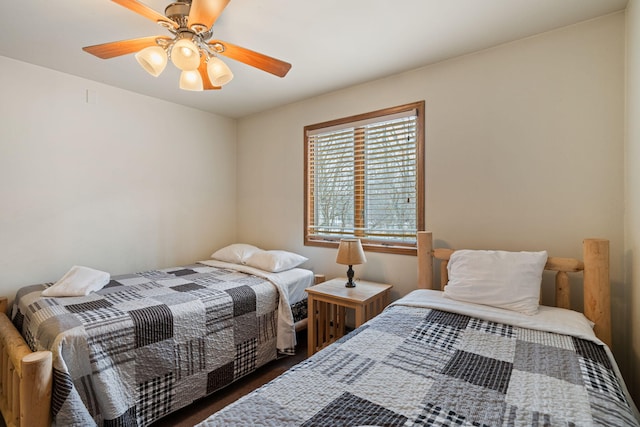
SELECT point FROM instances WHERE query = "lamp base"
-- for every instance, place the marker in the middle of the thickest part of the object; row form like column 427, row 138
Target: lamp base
column 350, row 283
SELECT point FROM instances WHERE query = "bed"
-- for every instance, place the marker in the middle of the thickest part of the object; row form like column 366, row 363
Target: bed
column 144, row 345
column 430, row 359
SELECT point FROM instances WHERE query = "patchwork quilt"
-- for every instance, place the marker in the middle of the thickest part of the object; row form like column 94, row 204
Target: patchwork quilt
column 299, row 310
column 149, row 343
column 414, row 366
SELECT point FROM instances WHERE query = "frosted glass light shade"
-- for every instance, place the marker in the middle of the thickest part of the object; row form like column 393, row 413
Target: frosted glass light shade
column 153, row 59
column 219, row 73
column 184, row 55
column 191, row 80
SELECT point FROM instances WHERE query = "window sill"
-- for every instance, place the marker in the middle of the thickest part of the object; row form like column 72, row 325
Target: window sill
column 367, row 246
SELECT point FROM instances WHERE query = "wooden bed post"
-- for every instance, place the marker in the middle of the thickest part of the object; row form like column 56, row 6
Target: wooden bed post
column 597, row 294
column 425, row 260
column 25, row 378
column 35, row 392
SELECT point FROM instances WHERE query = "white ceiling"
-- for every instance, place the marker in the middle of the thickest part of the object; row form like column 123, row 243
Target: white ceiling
column 332, row 44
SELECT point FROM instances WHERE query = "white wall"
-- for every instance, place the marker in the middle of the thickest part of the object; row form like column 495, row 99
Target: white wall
column 125, row 184
column 632, row 193
column 524, row 151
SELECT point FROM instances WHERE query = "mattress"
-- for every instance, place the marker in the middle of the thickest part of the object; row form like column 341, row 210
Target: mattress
column 427, row 360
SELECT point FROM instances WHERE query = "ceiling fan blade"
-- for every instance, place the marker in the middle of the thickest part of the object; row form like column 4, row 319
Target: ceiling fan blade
column 205, row 12
column 145, row 11
column 123, row 47
column 202, row 69
column 249, row 57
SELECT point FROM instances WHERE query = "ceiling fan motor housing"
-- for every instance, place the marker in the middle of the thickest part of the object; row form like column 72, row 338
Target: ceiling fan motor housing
column 178, row 12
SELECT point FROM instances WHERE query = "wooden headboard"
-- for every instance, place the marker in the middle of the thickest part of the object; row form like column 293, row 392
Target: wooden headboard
column 595, row 278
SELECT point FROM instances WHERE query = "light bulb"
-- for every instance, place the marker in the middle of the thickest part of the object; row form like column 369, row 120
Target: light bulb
column 184, row 55
column 191, row 80
column 218, row 72
column 153, row 59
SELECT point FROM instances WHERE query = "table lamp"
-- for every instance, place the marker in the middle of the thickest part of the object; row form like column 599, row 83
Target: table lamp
column 350, row 253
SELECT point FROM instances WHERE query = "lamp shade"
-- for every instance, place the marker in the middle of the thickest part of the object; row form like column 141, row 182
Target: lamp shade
column 191, row 80
column 185, row 55
column 219, row 73
column 350, row 252
column 153, row 59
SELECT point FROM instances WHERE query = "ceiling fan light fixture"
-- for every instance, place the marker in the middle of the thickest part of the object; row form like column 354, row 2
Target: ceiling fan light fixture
column 153, row 59
column 219, row 73
column 185, row 55
column 189, row 47
column 191, row 80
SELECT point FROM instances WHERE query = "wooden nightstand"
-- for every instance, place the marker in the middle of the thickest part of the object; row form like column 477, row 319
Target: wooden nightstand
column 328, row 302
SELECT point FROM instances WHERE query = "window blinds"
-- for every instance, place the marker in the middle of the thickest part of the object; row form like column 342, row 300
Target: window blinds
column 362, row 180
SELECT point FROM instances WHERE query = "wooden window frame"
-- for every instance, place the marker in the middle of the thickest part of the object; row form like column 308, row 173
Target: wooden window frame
column 359, row 198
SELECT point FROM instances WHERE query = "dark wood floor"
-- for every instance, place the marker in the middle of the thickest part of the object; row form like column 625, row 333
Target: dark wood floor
column 200, row 410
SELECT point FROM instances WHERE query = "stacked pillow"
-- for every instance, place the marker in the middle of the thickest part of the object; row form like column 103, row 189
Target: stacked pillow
column 237, row 253
column 252, row 256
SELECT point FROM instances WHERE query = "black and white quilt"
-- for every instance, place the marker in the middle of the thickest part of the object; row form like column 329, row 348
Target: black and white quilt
column 150, row 343
column 420, row 365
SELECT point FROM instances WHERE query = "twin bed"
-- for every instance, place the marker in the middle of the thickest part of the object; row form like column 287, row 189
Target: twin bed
column 146, row 344
column 426, row 360
column 439, row 361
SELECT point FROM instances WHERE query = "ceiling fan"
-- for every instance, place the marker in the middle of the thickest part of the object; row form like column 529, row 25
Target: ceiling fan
column 190, row 47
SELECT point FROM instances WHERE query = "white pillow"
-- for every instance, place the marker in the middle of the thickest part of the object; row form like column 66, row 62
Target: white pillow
column 509, row 280
column 275, row 261
column 236, row 253
column 78, row 281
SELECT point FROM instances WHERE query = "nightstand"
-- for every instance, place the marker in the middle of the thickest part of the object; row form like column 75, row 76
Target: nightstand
column 328, row 302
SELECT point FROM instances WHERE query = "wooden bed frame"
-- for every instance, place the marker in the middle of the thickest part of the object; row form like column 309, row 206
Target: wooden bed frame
column 594, row 268
column 26, row 376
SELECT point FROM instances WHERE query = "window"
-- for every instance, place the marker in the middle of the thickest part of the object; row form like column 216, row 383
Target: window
column 364, row 178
